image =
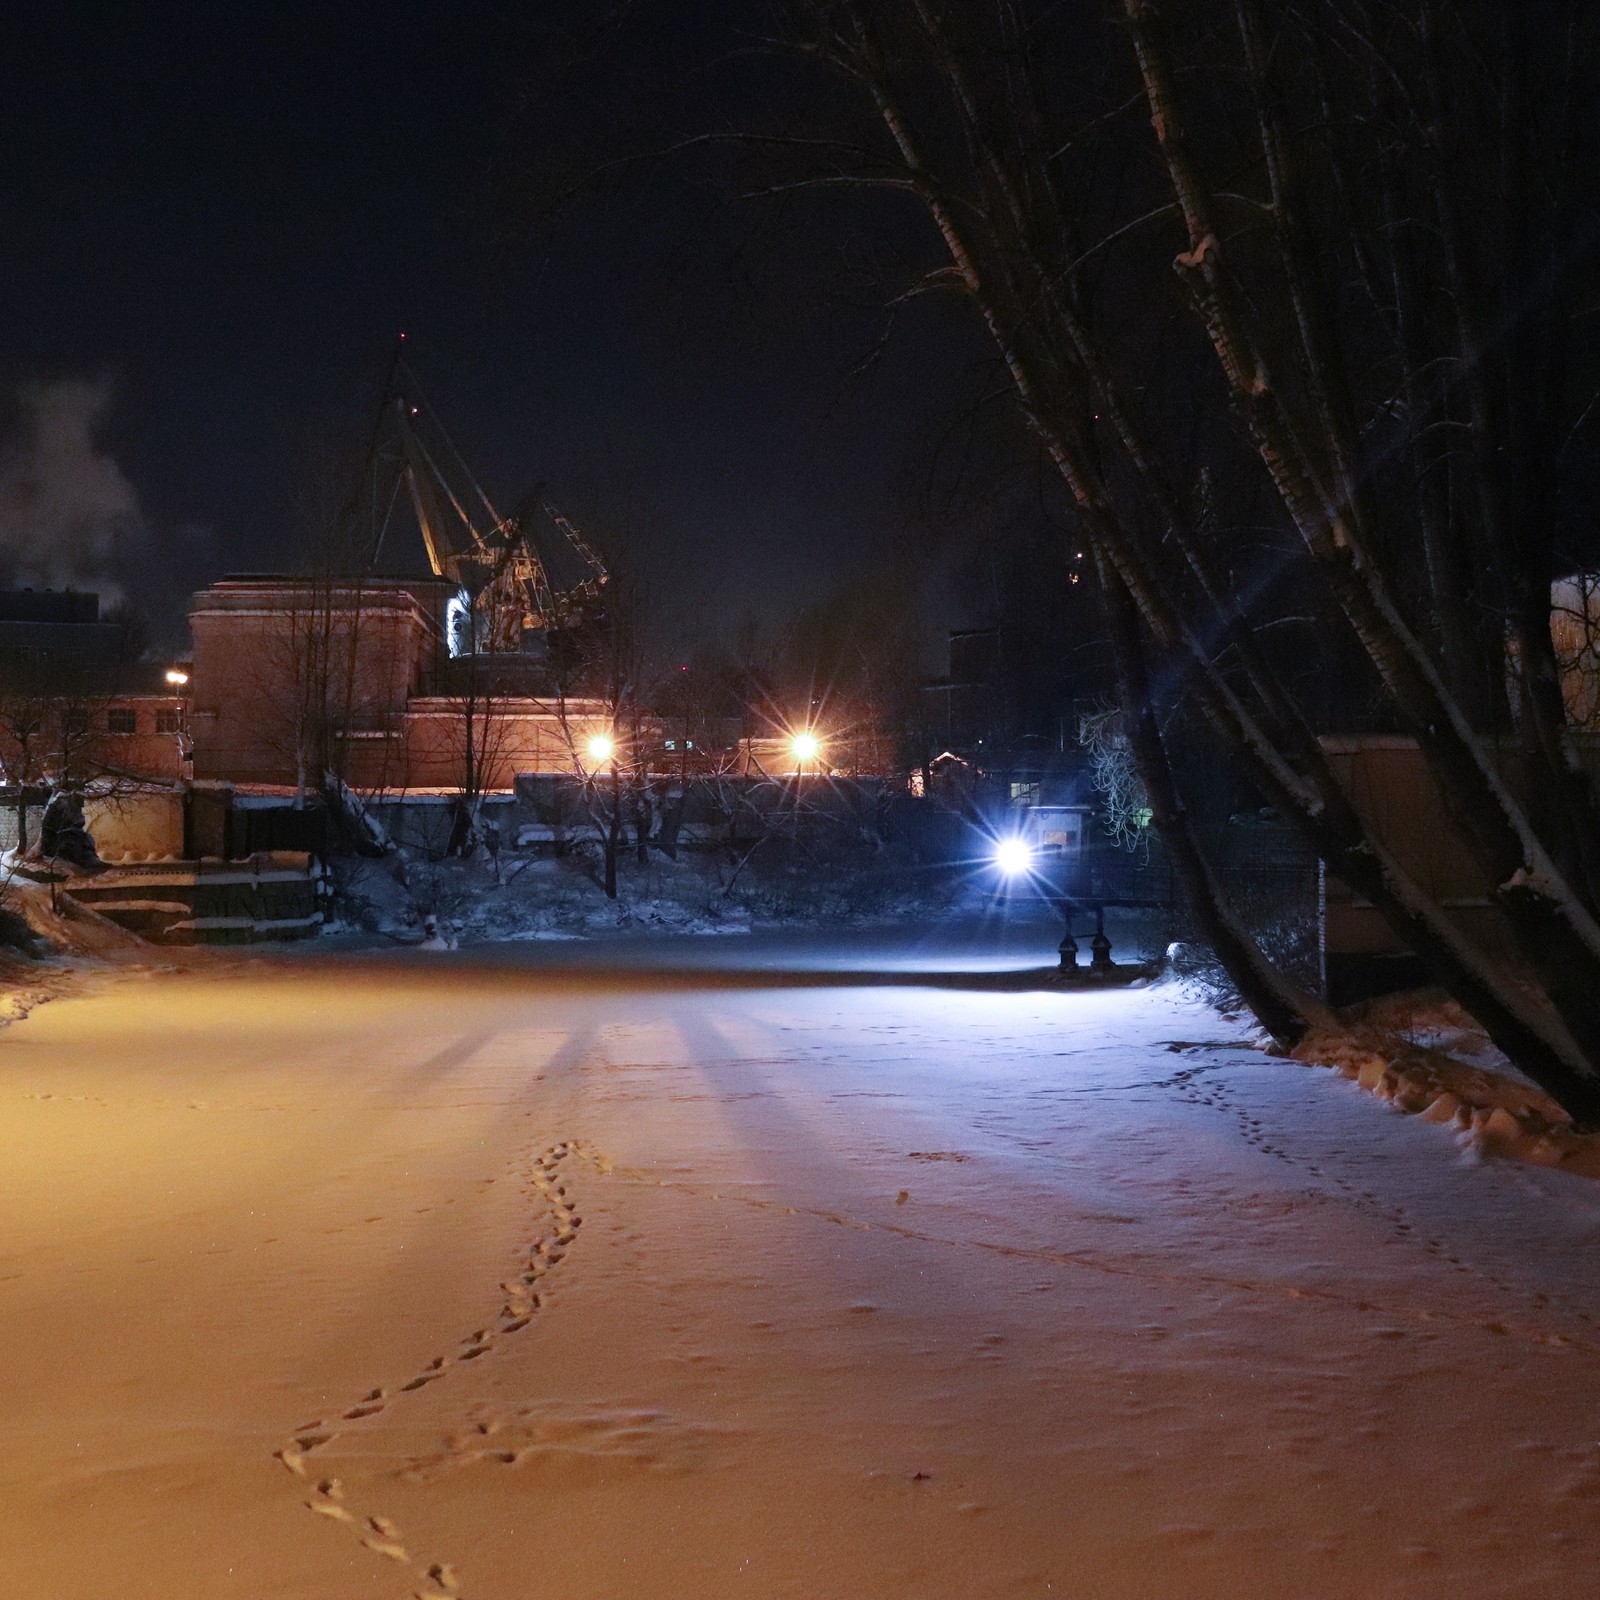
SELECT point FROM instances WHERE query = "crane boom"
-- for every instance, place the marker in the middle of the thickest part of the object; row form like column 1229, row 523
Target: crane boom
column 492, row 558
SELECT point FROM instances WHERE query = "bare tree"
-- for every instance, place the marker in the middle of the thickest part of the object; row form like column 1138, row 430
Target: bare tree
column 483, row 681
column 1575, row 628
column 320, row 678
column 312, row 683
column 601, row 680
column 54, row 729
column 1378, row 358
column 1115, row 775
column 27, row 717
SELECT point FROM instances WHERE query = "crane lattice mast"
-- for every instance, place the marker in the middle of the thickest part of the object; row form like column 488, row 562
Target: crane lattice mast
column 490, row 557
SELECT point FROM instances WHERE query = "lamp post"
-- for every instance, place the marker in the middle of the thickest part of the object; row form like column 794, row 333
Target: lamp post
column 804, row 746
column 1016, row 857
column 602, row 748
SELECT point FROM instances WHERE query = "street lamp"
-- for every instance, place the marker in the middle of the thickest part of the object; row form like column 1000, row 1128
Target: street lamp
column 1013, row 855
column 602, row 749
column 176, row 676
column 804, row 746
column 1016, row 857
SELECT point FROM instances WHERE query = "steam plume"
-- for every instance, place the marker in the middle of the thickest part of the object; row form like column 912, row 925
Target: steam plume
column 68, row 515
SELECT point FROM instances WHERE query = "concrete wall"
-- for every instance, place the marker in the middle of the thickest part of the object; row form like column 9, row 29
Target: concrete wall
column 143, row 826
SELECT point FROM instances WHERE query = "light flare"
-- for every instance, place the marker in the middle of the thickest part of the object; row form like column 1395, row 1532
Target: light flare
column 1013, row 856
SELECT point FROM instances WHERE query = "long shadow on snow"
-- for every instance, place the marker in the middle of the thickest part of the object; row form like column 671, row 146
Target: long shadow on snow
column 510, row 972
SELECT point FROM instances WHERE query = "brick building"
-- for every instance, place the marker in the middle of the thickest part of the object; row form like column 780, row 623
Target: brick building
column 296, row 676
column 75, row 703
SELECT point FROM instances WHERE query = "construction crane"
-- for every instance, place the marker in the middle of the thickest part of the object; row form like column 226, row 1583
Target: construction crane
column 506, row 588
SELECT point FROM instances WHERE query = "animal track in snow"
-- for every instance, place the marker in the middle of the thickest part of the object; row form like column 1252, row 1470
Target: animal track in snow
column 1528, row 1319
column 568, row 1440
column 1118, row 1264
column 379, row 1533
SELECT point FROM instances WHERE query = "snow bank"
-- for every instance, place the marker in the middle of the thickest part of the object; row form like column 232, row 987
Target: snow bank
column 65, row 938
column 1425, row 1057
column 67, row 928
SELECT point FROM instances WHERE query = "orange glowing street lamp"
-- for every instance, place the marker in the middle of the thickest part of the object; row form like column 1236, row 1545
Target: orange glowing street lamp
column 805, row 746
column 601, row 749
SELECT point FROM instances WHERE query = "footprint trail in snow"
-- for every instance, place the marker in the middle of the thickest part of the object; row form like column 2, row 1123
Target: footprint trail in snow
column 304, row 1450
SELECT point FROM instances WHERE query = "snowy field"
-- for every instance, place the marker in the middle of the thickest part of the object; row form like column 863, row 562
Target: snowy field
column 761, row 1269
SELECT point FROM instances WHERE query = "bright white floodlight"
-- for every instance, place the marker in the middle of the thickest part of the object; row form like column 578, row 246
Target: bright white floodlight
column 805, row 746
column 1013, row 856
column 600, row 748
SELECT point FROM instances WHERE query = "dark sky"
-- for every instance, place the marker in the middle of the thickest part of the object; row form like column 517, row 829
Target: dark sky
column 215, row 220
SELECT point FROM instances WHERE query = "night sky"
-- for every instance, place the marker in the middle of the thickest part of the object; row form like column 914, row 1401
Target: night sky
column 215, row 221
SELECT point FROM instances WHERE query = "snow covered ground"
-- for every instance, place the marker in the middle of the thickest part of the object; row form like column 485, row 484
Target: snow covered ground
column 752, row 1268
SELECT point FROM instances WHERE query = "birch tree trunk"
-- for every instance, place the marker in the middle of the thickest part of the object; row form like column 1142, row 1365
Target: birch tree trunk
column 963, row 98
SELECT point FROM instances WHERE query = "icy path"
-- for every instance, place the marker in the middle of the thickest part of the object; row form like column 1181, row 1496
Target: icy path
column 667, row 1286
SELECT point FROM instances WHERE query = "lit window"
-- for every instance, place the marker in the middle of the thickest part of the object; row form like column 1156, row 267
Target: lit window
column 672, row 744
column 1025, row 794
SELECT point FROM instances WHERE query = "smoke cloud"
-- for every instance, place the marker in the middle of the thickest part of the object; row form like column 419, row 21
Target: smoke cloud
column 68, row 515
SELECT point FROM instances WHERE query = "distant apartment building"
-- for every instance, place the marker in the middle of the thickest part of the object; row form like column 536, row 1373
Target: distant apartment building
column 60, row 626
